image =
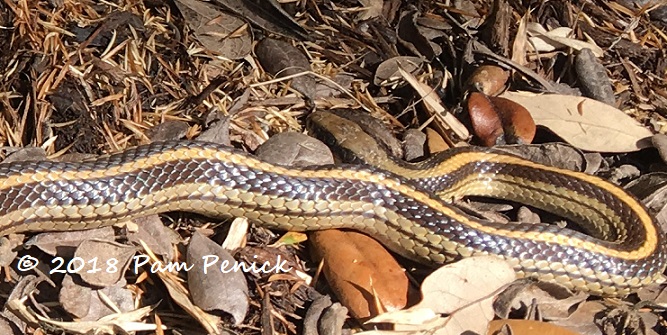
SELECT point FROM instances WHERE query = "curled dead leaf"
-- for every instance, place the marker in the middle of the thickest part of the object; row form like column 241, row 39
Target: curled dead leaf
column 488, row 79
column 498, row 120
column 363, row 274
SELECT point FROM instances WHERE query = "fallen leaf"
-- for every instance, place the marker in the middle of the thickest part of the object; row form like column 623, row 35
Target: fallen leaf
column 497, row 120
column 362, row 273
column 583, row 319
column 180, row 295
column 433, row 105
column 372, row 9
column 465, row 290
column 216, row 30
column 466, row 281
column 294, row 149
column 282, row 59
column 99, row 262
column 64, row 243
column 89, row 304
column 488, row 79
column 599, row 128
column 528, row 327
column 388, row 71
column 212, row 286
column 554, row 301
column 152, row 231
column 558, row 38
column 557, row 154
column 168, row 131
column 593, row 79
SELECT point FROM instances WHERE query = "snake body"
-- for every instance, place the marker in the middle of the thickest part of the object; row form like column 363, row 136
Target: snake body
column 220, row 182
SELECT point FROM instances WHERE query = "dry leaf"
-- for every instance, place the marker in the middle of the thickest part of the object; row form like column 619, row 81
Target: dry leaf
column 294, row 149
column 372, row 9
column 599, row 127
column 497, row 120
column 217, row 30
column 180, row 295
column 557, row 154
column 362, row 273
column 558, row 38
column 582, row 320
column 152, row 231
column 282, row 59
column 488, row 79
column 212, row 285
column 101, row 263
column 268, row 15
column 432, row 103
column 521, row 41
column 465, row 290
column 553, row 300
column 64, row 243
column 90, row 304
column 529, row 327
column 435, row 142
column 592, row 77
column 387, row 72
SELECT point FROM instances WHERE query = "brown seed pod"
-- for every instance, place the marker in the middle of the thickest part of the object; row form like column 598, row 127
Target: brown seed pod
column 499, row 120
column 488, row 79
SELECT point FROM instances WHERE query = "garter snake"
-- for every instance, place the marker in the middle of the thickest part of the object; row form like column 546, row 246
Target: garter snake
column 217, row 181
column 625, row 236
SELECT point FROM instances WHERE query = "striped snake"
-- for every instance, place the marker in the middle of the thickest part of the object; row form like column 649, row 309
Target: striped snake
column 626, row 249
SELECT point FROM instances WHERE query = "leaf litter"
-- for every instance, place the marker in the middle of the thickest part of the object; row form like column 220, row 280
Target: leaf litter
column 93, row 78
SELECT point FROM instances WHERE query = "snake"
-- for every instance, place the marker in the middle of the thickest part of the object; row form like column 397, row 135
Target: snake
column 405, row 209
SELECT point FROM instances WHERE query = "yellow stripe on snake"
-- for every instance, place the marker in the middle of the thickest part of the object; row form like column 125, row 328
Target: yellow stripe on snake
column 403, row 214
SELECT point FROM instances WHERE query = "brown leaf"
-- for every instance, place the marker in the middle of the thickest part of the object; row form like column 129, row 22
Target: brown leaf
column 372, row 9
column 294, row 149
column 103, row 263
column 414, row 143
column 388, row 71
column 213, row 287
column 64, row 243
column 435, row 142
column 528, row 327
column 168, row 130
column 560, row 155
column 554, row 301
column 593, row 79
column 488, row 79
column 364, row 275
column 153, row 232
column 217, row 30
column 465, row 290
column 599, row 128
column 268, row 15
column 281, row 59
column 500, row 121
column 26, row 154
column 87, row 304
column 583, row 319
